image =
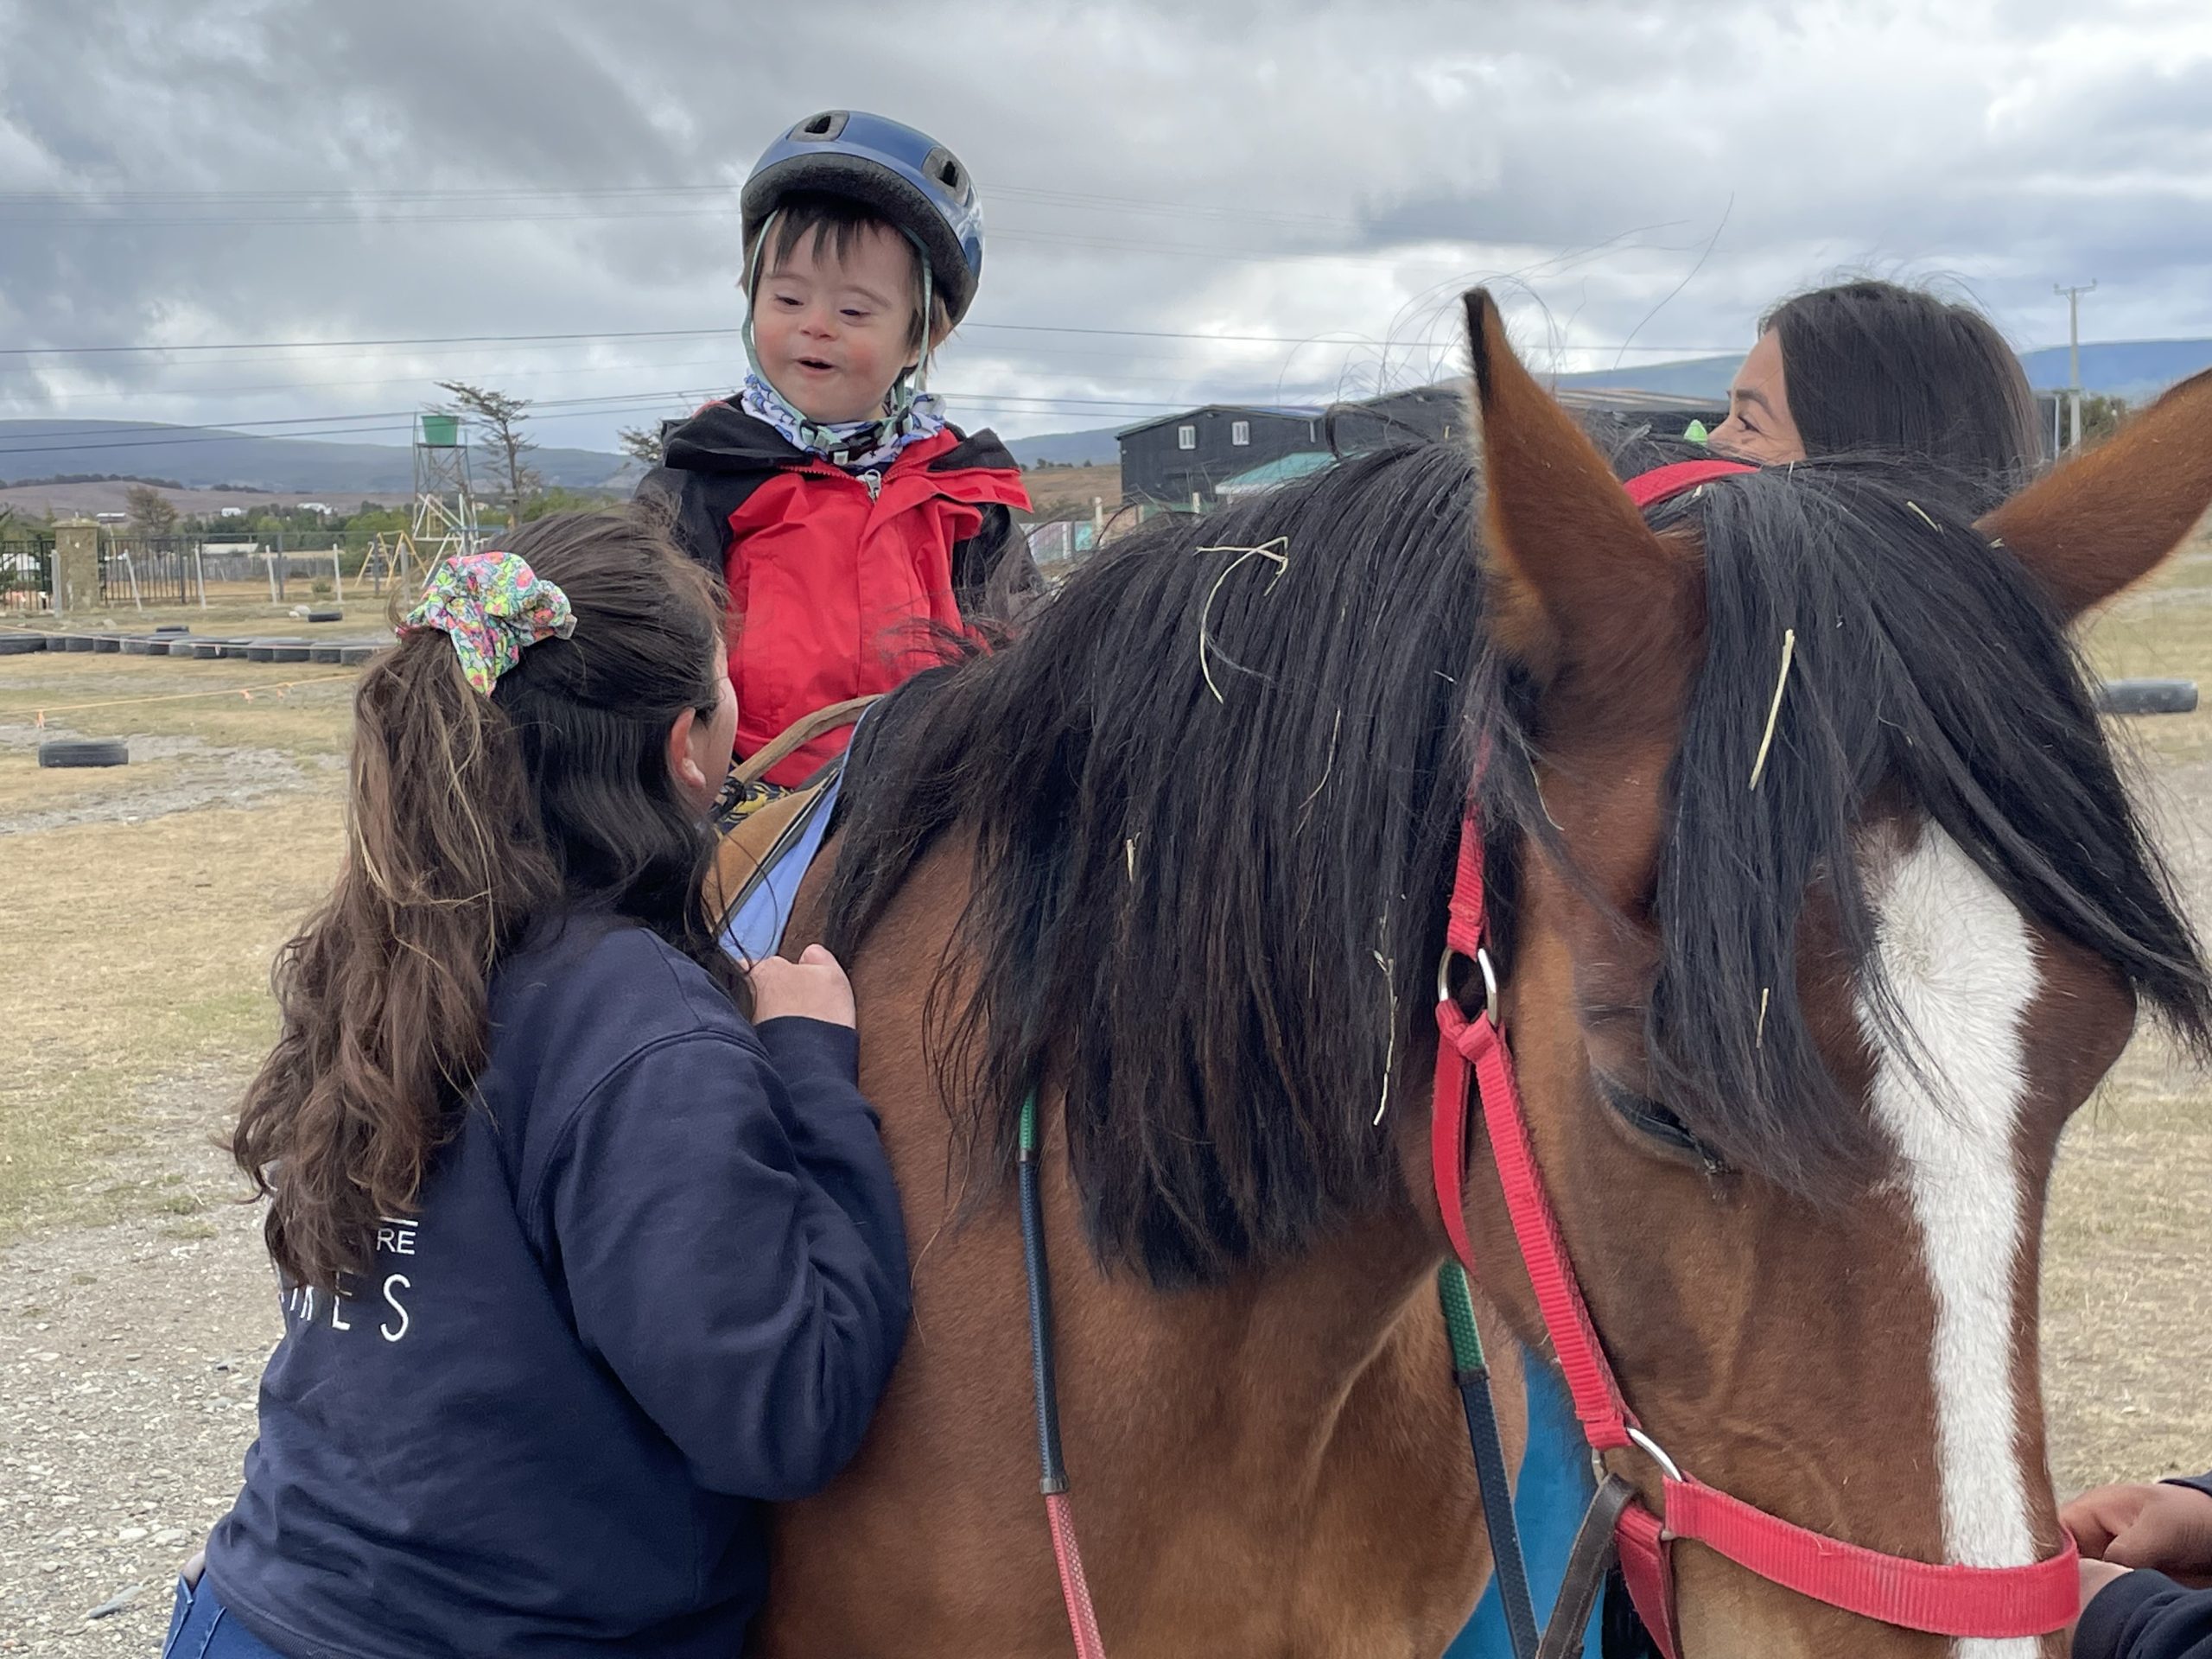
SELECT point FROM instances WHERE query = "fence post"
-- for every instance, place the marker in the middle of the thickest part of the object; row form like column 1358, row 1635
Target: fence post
column 76, row 566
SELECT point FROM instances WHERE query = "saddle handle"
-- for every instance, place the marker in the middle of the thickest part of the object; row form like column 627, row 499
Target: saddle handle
column 796, row 736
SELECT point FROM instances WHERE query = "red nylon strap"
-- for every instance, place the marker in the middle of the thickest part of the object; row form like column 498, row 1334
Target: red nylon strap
column 1648, row 1569
column 1964, row 1601
column 1605, row 1414
column 1447, row 1135
column 1648, row 489
column 1983, row 1601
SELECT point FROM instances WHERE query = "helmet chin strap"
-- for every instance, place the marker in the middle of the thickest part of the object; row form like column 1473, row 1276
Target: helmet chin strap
column 912, row 380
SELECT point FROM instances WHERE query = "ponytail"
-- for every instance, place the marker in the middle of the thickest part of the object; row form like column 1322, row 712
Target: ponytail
column 470, row 818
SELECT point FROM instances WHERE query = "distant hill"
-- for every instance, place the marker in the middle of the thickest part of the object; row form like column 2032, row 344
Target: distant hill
column 1093, row 449
column 2135, row 369
column 1691, row 377
column 204, row 457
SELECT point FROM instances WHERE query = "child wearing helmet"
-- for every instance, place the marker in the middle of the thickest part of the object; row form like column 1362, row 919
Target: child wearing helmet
column 852, row 525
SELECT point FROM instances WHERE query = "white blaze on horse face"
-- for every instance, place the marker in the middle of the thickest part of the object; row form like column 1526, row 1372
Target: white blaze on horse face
column 1961, row 964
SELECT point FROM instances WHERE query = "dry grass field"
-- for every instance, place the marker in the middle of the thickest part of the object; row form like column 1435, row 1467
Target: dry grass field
column 140, row 907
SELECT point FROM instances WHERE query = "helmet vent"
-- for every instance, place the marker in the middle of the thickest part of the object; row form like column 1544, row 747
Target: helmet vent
column 820, row 128
column 942, row 167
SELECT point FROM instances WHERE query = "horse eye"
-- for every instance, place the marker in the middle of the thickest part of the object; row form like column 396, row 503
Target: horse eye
column 1657, row 1122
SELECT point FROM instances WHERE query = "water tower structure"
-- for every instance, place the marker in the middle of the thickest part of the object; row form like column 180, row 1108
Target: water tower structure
column 445, row 501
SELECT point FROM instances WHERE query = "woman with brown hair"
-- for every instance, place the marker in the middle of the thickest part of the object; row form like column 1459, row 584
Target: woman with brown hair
column 581, row 1266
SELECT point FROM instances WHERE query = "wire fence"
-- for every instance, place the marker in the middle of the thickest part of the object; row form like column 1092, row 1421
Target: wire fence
column 25, row 572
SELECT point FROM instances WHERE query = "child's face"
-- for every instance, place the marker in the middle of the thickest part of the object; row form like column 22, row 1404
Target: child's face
column 832, row 333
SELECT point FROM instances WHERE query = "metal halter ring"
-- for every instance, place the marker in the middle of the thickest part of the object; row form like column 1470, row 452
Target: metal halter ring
column 1482, row 962
column 1651, row 1449
column 1657, row 1453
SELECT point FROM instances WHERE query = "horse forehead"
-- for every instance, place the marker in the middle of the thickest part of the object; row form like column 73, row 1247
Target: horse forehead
column 1954, row 952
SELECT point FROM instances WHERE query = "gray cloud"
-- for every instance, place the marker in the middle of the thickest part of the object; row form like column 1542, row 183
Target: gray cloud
column 210, row 171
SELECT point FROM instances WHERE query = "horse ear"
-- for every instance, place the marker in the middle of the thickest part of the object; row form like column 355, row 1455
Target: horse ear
column 2111, row 515
column 1576, row 579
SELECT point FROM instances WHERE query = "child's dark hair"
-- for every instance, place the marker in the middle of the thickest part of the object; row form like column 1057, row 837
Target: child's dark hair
column 834, row 225
column 470, row 820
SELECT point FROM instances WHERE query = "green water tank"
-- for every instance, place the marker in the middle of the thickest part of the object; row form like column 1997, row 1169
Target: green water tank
column 442, row 431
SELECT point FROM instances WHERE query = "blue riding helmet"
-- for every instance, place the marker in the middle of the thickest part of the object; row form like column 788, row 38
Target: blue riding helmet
column 909, row 178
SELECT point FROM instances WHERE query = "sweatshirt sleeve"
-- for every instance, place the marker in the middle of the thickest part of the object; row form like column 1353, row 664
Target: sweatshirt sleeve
column 733, row 1249
column 2144, row 1615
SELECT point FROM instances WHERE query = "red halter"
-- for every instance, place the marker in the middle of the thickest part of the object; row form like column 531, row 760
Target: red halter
column 1958, row 1601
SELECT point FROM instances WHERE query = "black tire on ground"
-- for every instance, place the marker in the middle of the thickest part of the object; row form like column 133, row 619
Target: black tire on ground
column 108, row 644
column 141, row 648
column 325, row 653
column 173, row 628
column 206, row 651
column 2147, row 697
column 234, row 650
column 326, row 616
column 354, row 655
column 22, row 644
column 75, row 642
column 85, row 752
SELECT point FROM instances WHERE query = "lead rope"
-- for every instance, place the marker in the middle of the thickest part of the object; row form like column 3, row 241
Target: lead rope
column 1471, row 1373
column 1075, row 1590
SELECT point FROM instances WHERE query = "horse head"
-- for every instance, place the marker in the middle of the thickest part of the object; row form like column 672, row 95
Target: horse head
column 1829, row 909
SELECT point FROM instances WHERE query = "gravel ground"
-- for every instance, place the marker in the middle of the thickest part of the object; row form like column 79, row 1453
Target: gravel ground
column 203, row 774
column 129, row 1355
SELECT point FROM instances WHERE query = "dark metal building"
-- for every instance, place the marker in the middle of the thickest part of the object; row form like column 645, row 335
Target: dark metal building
column 1440, row 411
column 1167, row 461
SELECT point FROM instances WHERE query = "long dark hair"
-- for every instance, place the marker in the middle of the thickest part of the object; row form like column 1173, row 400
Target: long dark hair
column 470, row 821
column 1876, row 367
column 1213, row 793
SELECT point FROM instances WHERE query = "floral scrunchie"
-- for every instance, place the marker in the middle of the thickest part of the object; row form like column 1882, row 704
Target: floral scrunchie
column 492, row 605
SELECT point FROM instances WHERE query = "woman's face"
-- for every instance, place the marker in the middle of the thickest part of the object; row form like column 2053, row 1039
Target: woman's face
column 1759, row 427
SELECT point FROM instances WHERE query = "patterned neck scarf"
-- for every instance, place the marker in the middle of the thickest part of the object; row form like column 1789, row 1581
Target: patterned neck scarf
column 855, row 446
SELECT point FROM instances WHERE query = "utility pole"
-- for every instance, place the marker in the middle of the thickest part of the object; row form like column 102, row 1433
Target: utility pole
column 2074, row 347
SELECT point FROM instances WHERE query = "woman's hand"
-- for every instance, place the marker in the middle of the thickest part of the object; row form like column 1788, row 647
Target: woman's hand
column 813, row 988
column 2166, row 1528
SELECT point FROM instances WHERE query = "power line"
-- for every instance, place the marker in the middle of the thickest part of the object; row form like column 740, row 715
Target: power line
column 355, row 197
column 165, row 434
column 1327, row 338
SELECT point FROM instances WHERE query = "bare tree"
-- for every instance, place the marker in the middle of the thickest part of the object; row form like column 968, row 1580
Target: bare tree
column 503, row 419
column 151, row 512
column 640, row 445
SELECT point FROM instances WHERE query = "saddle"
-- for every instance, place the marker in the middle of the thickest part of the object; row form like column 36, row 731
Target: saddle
column 764, row 855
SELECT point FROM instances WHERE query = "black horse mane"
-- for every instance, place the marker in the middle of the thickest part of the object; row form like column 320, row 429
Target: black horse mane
column 1213, row 792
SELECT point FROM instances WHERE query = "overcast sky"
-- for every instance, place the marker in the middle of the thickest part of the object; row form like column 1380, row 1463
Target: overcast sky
column 1322, row 180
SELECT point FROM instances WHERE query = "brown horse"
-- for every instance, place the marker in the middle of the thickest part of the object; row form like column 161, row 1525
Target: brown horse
column 1823, row 909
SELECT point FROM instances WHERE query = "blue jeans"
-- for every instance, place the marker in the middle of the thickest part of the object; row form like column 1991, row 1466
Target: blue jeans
column 1554, row 1489
column 201, row 1627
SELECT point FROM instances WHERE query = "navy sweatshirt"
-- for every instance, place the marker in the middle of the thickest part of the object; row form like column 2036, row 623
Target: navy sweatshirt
column 656, row 1278
column 2147, row 1615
